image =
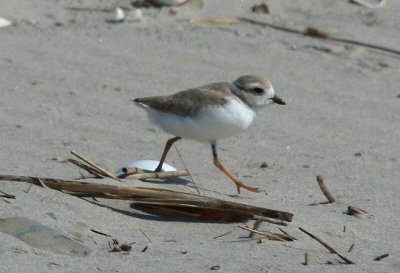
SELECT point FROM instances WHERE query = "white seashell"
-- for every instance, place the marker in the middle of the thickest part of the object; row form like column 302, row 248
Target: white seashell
column 135, row 15
column 4, row 22
column 148, row 165
column 119, row 15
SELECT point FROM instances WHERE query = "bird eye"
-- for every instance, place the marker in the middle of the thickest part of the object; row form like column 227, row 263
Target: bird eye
column 258, row 90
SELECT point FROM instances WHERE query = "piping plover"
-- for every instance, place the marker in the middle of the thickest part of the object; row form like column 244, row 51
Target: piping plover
column 210, row 113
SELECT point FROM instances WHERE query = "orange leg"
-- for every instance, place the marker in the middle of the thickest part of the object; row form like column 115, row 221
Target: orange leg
column 168, row 146
column 220, row 166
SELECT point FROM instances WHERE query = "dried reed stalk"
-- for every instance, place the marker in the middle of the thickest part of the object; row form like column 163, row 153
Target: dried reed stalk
column 269, row 235
column 87, row 168
column 160, row 199
column 100, row 170
column 331, row 249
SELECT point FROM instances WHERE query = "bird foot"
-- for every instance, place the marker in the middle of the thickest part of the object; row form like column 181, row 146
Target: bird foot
column 244, row 186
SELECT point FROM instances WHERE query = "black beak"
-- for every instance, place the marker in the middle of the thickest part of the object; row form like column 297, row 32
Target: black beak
column 278, row 100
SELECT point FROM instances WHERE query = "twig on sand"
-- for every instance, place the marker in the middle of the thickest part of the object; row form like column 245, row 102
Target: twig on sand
column 144, row 234
column 222, row 235
column 6, row 195
column 325, row 37
column 100, row 170
column 99, row 232
column 351, row 210
column 85, row 167
column 150, row 175
column 331, row 198
column 380, row 257
column 331, row 249
column 269, row 235
column 350, row 248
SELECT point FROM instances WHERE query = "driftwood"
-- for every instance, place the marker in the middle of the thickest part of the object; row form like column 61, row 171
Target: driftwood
column 160, row 200
column 331, row 198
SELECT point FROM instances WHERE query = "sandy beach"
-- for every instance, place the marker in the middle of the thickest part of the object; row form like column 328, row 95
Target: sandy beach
column 68, row 77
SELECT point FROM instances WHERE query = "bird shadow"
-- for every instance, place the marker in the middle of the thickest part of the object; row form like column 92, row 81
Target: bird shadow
column 319, row 203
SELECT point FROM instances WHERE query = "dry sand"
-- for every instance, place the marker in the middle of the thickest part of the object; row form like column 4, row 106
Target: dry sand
column 67, row 80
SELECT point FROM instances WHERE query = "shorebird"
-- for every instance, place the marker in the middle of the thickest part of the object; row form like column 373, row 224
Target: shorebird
column 209, row 113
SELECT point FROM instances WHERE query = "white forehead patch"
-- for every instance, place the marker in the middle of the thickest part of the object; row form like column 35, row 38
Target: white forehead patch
column 255, row 84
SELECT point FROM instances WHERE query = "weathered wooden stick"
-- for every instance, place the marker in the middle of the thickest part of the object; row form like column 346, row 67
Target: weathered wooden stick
column 87, row 168
column 331, row 198
column 100, row 170
column 154, row 197
column 269, row 235
column 150, row 175
column 331, row 249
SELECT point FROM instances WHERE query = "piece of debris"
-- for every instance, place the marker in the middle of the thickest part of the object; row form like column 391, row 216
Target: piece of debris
column 270, row 235
column 145, row 248
column 119, row 15
column 381, row 257
column 359, row 213
column 215, row 267
column 315, row 32
column 126, row 247
column 260, row 8
column 331, row 249
column 264, row 165
column 222, row 235
column 6, row 195
column 99, row 232
column 135, row 16
column 4, row 22
column 331, row 198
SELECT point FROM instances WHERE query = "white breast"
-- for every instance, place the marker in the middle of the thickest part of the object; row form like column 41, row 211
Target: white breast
column 210, row 123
